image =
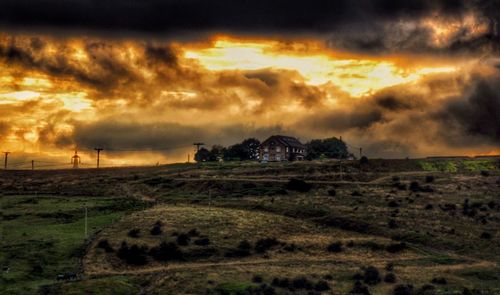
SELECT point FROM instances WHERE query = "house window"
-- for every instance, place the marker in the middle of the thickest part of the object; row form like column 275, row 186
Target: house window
column 278, row 149
column 266, row 149
column 286, row 149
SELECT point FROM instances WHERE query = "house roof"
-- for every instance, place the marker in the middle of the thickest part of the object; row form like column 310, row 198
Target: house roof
column 285, row 140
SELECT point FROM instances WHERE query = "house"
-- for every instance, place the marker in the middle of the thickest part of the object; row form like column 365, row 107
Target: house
column 281, row 148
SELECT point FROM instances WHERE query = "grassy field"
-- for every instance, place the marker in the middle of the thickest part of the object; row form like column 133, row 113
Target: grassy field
column 246, row 228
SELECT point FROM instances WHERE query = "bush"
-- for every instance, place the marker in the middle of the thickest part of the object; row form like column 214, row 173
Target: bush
column 104, row 244
column 202, row 241
column 392, row 224
column 134, row 233
column 390, row 278
column 183, row 239
column 485, row 173
column 244, row 245
column 371, row 275
column 429, row 207
column 486, row 236
column 363, row 160
column 335, row 247
column 134, row 255
column 257, row 279
column 302, row 283
column 321, row 286
column 356, row 194
column 156, row 230
column 359, row 289
column 395, row 248
column 237, row 253
column 332, row 192
column 167, row 252
column 265, row 244
column 429, row 178
column 393, row 204
column 403, row 290
column 414, row 186
column 193, row 233
column 282, row 283
column 426, row 290
column 439, row 281
column 298, row 185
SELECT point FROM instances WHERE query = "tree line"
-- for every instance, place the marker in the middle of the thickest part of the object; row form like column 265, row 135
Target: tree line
column 248, row 149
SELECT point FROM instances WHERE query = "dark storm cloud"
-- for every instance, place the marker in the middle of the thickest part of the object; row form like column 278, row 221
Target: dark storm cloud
column 477, row 112
column 132, row 136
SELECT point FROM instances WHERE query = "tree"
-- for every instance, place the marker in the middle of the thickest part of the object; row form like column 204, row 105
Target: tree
column 251, row 148
column 202, row 155
column 328, row 148
column 216, row 153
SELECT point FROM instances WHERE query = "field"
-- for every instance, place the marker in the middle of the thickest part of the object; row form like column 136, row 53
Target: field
column 385, row 227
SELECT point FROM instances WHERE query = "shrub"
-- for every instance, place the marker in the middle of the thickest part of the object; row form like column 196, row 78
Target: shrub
column 350, row 244
column 486, row 236
column 356, row 194
column 395, row 248
column 257, row 279
column 328, row 277
column 134, row 255
column 282, row 283
column 321, row 286
column 371, row 275
column 403, row 290
column 439, row 281
column 426, row 290
column 167, row 252
column 202, row 241
column 335, row 247
column 302, row 283
column 429, row 178
column 183, row 239
column 363, row 160
column 290, row 247
column 332, row 192
column 429, row 207
column 244, row 245
column 485, row 173
column 389, row 266
column 298, row 185
column 393, row 204
column 134, row 233
column 265, row 244
column 237, row 253
column 358, row 276
column 104, row 244
column 193, row 233
column 390, row 278
column 395, row 178
column 392, row 224
column 156, row 230
column 414, row 186
column 359, row 289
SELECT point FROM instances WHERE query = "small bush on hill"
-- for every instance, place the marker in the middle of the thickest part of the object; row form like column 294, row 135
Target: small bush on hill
column 403, row 290
column 359, row 289
column 257, row 279
column 356, row 194
column 167, row 252
column 439, row 281
column 393, row 204
column 135, row 255
column 321, row 286
column 396, row 248
column 332, row 192
column 281, row 283
column 193, row 233
column 244, row 245
column 298, row 185
column 156, row 230
column 429, row 207
column 202, row 241
column 390, row 278
column 426, row 290
column 429, row 178
column 392, row 224
column 265, row 244
column 414, row 186
column 104, row 244
column 486, row 236
column 134, row 233
column 302, row 283
column 371, row 275
column 183, row 239
column 335, row 247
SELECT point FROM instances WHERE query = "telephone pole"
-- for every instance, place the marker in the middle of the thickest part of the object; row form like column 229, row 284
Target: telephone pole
column 6, row 159
column 98, row 153
column 32, row 165
column 360, row 152
column 197, row 144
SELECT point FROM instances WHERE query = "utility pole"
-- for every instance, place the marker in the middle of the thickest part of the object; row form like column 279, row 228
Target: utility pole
column 360, row 152
column 98, row 153
column 86, row 233
column 32, row 165
column 188, row 157
column 6, row 159
column 198, row 144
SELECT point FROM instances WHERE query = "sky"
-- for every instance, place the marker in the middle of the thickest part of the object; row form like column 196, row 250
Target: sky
column 146, row 79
